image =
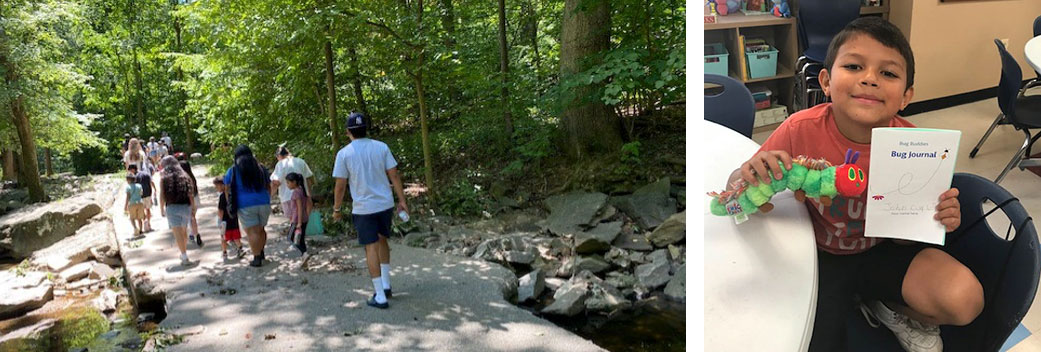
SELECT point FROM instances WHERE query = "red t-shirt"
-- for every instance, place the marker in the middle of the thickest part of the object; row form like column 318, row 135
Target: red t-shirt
column 839, row 229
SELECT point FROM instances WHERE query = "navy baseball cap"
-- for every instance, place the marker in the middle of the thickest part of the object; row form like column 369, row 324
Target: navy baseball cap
column 356, row 120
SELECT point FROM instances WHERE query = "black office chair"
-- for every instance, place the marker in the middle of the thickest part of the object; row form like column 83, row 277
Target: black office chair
column 1021, row 111
column 818, row 22
column 1037, row 32
column 733, row 108
column 1008, row 268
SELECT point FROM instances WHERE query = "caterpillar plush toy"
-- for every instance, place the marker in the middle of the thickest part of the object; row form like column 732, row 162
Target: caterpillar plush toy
column 814, row 178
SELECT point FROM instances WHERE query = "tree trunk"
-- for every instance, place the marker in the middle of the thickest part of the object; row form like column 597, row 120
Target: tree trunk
column 10, row 165
column 504, row 69
column 531, row 31
column 47, row 161
column 188, row 140
column 139, row 96
column 330, row 85
column 591, row 127
column 428, row 161
column 29, row 171
column 448, row 22
column 356, row 82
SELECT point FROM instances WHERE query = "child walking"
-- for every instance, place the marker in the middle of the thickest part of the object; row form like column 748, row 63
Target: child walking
column 229, row 223
column 299, row 208
column 144, row 179
column 133, row 206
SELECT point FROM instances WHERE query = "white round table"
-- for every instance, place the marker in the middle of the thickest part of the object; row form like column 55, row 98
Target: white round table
column 761, row 275
column 1032, row 51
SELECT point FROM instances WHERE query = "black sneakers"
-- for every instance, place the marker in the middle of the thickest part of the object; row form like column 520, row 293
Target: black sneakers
column 372, row 303
column 388, row 292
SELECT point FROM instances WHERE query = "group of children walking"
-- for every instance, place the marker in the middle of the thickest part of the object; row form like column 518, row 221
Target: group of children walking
column 244, row 194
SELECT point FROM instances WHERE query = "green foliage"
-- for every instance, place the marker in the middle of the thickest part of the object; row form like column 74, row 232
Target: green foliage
column 462, row 198
column 535, row 143
column 79, row 327
column 37, row 66
column 94, row 160
column 631, row 152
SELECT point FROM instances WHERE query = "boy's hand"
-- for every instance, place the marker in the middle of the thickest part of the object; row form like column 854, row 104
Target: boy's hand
column 948, row 212
column 759, row 165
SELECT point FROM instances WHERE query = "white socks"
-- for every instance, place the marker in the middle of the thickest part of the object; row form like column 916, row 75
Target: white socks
column 377, row 286
column 385, row 275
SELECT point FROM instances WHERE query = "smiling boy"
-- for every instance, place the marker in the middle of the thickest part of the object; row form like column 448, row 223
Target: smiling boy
column 869, row 76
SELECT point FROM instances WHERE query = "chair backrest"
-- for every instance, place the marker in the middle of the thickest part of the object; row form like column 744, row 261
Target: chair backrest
column 734, row 107
column 1037, row 32
column 821, row 20
column 1037, row 26
column 1008, row 86
column 1007, row 269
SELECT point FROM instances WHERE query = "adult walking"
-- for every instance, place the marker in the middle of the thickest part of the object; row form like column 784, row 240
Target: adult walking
column 176, row 203
column 152, row 148
column 194, row 235
column 248, row 184
column 134, row 155
column 370, row 168
column 287, row 164
column 169, row 142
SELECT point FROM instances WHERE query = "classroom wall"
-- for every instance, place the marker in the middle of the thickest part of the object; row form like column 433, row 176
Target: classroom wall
column 953, row 43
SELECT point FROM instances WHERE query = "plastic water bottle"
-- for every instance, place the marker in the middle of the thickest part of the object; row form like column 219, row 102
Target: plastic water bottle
column 403, row 216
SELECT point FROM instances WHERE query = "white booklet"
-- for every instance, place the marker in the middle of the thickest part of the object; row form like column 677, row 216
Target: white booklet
column 910, row 169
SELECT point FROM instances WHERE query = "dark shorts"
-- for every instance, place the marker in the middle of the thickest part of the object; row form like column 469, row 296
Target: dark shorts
column 877, row 274
column 371, row 226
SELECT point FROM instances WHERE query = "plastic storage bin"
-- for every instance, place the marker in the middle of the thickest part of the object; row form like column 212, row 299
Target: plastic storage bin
column 762, row 63
column 717, row 59
column 762, row 98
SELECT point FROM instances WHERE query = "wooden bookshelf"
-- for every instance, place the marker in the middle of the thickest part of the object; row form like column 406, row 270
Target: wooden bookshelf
column 738, row 20
column 778, row 32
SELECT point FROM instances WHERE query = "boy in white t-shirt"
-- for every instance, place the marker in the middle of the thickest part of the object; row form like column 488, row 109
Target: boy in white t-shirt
column 370, row 168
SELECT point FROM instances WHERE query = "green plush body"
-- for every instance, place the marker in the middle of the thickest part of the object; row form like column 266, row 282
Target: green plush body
column 816, row 184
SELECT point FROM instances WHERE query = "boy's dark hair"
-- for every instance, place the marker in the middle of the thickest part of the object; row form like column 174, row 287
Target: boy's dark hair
column 132, row 168
column 218, row 180
column 880, row 30
column 131, row 177
column 359, row 132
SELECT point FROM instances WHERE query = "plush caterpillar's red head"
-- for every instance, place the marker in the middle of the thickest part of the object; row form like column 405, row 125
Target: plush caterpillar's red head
column 850, row 180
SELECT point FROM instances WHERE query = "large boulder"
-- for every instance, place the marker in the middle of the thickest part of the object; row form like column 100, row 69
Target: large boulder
column 619, row 257
column 677, row 287
column 605, row 298
column 22, row 293
column 75, row 272
column 568, row 300
column 673, row 230
column 597, row 239
column 569, row 212
column 653, row 275
column 22, row 338
column 649, row 206
column 531, row 286
column 97, row 237
column 593, row 263
column 636, row 242
column 39, row 226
